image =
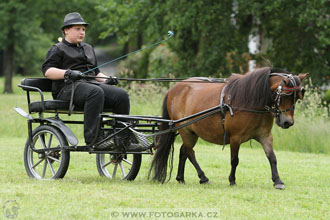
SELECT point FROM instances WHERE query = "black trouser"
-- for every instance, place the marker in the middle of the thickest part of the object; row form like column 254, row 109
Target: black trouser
column 94, row 98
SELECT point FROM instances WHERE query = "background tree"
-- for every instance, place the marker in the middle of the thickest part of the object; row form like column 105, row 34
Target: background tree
column 30, row 27
column 205, row 31
column 19, row 37
column 298, row 32
column 211, row 36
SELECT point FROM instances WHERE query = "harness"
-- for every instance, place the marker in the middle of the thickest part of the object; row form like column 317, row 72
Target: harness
column 273, row 108
column 224, row 107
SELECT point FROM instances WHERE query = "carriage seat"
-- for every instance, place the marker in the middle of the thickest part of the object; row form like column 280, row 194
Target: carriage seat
column 42, row 85
column 50, row 105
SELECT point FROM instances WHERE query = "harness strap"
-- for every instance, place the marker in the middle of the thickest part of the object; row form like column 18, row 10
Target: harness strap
column 71, row 106
column 224, row 107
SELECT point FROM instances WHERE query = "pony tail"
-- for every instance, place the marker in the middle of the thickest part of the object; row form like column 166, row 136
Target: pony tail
column 164, row 148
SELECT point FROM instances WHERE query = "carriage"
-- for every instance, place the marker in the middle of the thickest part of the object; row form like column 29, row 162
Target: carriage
column 50, row 141
column 190, row 109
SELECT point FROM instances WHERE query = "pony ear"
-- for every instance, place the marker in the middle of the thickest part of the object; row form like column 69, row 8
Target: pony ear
column 302, row 76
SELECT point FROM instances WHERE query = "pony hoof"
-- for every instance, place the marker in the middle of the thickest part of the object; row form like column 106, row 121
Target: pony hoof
column 204, row 181
column 279, row 186
column 180, row 180
column 233, row 183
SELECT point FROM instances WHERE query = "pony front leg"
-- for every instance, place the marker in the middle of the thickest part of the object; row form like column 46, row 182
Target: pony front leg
column 267, row 144
column 234, row 149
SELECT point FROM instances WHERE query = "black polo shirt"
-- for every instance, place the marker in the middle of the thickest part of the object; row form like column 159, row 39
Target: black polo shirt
column 65, row 55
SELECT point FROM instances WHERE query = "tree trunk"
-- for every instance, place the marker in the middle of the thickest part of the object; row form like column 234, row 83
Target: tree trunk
column 125, row 49
column 139, row 40
column 8, row 67
column 1, row 63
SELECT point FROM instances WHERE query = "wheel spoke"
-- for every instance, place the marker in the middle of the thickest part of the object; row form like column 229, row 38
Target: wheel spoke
column 122, row 169
column 44, row 170
column 129, row 162
column 50, row 140
column 104, row 165
column 50, row 166
column 114, row 171
column 55, row 159
column 36, row 164
column 42, row 140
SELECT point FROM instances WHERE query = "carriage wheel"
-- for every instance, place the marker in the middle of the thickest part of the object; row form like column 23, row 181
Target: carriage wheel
column 128, row 165
column 52, row 163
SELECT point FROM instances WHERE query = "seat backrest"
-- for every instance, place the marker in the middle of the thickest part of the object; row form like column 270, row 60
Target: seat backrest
column 43, row 84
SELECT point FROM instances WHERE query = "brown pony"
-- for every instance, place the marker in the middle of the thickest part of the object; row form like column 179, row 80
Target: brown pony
column 255, row 99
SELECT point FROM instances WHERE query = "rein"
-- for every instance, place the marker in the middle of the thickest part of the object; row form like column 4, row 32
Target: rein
column 201, row 79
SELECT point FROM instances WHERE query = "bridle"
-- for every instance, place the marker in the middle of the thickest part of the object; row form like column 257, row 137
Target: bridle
column 280, row 91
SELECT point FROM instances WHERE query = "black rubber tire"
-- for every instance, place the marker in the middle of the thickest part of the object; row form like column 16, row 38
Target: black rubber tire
column 57, row 161
column 132, row 171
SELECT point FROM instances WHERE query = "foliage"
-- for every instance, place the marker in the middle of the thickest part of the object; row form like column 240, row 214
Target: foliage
column 162, row 62
column 52, row 14
column 312, row 105
column 201, row 27
column 298, row 31
column 130, row 65
column 21, row 28
column 212, row 36
column 327, row 96
column 31, row 27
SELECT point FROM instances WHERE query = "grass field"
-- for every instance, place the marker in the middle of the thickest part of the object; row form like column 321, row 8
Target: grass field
column 83, row 194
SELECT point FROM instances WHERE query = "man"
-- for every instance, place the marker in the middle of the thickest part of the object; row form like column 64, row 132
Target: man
column 65, row 63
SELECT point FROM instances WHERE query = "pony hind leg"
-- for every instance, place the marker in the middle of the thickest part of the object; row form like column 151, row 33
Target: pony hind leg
column 182, row 162
column 200, row 172
column 186, row 151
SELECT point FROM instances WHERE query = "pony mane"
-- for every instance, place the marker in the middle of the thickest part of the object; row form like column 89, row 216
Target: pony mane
column 251, row 90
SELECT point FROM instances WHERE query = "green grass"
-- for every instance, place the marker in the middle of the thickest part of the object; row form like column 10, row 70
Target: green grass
column 83, row 194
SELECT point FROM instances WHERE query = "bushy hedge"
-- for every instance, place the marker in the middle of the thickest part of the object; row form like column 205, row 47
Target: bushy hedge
column 157, row 63
column 162, row 62
column 327, row 96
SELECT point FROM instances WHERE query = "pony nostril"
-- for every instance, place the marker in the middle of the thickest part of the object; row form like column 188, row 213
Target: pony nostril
column 287, row 124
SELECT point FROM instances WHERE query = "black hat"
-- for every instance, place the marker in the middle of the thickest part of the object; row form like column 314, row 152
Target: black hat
column 73, row 18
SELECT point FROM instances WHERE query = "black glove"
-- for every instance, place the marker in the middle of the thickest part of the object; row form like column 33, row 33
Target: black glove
column 112, row 81
column 73, row 75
